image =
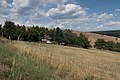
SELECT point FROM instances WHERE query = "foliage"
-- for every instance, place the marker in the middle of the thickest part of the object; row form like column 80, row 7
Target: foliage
column 36, row 33
column 116, row 47
column 9, row 29
column 100, row 44
column 107, row 45
column 58, row 35
column 0, row 30
column 115, row 33
column 69, row 37
column 32, row 35
column 83, row 41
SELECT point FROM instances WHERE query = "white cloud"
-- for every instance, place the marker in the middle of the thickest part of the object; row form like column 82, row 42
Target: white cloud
column 29, row 6
column 118, row 10
column 113, row 24
column 3, row 6
column 46, row 12
column 53, row 1
column 104, row 17
column 25, row 6
column 68, row 11
column 110, row 24
column 3, row 3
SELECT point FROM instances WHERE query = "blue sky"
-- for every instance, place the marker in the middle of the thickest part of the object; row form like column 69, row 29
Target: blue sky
column 100, row 6
column 81, row 15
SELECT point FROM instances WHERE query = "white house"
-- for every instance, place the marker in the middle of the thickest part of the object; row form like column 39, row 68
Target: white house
column 46, row 39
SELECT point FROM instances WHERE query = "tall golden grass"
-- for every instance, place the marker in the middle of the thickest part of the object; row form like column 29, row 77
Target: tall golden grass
column 70, row 63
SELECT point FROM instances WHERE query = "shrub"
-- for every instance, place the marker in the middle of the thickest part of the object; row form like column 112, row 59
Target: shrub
column 100, row 44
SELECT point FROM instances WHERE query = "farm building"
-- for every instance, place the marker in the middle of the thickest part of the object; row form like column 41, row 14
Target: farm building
column 46, row 39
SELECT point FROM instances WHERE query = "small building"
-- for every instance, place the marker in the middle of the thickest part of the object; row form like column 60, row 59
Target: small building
column 46, row 39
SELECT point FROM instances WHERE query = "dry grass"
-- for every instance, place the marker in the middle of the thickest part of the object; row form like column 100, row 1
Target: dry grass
column 70, row 63
column 93, row 37
column 15, row 66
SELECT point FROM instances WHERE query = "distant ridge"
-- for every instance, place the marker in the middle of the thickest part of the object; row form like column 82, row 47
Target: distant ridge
column 93, row 36
column 114, row 33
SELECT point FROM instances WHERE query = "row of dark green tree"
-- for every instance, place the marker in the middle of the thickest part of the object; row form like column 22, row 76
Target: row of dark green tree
column 107, row 45
column 36, row 33
column 115, row 33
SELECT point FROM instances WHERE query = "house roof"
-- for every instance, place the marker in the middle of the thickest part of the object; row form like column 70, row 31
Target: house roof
column 46, row 37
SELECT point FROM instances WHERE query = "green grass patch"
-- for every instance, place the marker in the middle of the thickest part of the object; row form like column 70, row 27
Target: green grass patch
column 14, row 66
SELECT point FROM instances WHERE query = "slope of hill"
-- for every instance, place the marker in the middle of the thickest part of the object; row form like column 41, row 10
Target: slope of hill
column 93, row 37
column 14, row 66
column 115, row 33
column 71, row 63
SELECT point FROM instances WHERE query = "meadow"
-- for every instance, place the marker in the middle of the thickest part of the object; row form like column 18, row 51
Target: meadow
column 16, row 66
column 71, row 63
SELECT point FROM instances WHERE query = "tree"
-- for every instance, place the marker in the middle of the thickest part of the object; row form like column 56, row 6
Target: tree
column 35, row 33
column 9, row 29
column 83, row 41
column 0, row 30
column 116, row 47
column 109, row 45
column 100, row 44
column 58, row 35
column 69, row 37
column 32, row 35
column 19, row 32
column 52, row 34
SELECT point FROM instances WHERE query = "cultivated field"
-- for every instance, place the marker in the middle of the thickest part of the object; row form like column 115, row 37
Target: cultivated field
column 71, row 63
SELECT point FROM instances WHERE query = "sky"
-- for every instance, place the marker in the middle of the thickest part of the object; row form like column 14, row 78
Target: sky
column 80, row 15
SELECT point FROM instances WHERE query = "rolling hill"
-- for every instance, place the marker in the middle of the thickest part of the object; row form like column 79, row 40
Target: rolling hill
column 115, row 33
column 94, row 36
column 71, row 63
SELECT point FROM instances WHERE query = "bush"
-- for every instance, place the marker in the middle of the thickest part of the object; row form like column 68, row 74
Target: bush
column 83, row 41
column 107, row 45
column 100, row 44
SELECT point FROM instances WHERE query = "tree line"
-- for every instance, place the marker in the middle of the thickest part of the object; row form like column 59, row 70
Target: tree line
column 36, row 33
column 115, row 33
column 107, row 45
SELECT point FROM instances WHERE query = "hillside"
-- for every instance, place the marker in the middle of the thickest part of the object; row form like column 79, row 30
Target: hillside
column 15, row 66
column 56, row 62
column 93, row 37
column 115, row 33
column 70, row 63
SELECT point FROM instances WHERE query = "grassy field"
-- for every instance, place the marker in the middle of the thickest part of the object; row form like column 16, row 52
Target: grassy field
column 71, row 63
column 93, row 37
column 16, row 66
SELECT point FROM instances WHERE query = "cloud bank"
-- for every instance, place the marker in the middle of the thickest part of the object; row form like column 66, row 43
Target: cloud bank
column 47, row 12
